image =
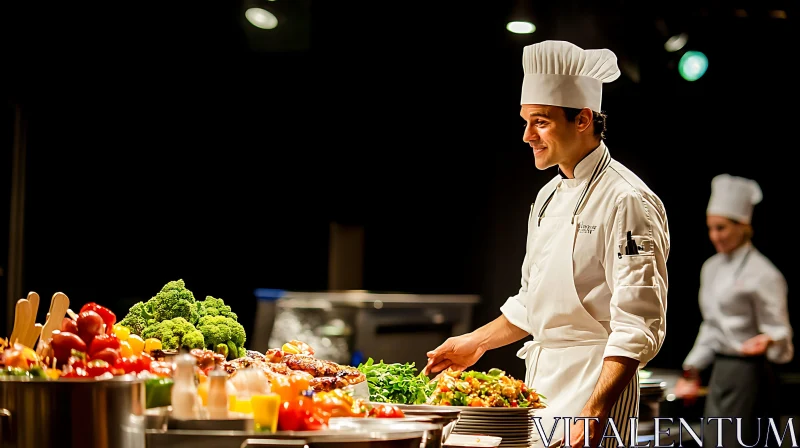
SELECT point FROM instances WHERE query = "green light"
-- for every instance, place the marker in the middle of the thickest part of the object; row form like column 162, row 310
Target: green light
column 693, row 65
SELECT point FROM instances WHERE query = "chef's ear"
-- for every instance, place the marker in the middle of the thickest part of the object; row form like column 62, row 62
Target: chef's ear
column 584, row 119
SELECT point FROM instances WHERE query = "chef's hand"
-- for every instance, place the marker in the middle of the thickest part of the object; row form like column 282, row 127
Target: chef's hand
column 756, row 345
column 458, row 353
column 687, row 390
column 577, row 438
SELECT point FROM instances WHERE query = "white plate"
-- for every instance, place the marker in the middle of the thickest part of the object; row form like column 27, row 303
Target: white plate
column 466, row 440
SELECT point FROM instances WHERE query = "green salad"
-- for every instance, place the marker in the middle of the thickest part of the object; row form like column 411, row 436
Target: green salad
column 396, row 383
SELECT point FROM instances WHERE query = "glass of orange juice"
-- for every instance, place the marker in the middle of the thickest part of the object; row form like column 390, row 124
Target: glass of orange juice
column 232, row 402
column 265, row 411
column 243, row 405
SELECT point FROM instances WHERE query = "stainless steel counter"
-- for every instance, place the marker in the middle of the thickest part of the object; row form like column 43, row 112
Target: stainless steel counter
column 350, row 326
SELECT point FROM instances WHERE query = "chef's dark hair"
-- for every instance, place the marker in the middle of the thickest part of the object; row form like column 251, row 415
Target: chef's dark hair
column 598, row 118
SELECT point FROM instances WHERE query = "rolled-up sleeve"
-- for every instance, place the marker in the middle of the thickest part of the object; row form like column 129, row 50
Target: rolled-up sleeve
column 514, row 309
column 638, row 283
column 772, row 314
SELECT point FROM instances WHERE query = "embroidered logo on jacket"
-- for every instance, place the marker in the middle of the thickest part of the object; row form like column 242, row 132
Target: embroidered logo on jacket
column 585, row 228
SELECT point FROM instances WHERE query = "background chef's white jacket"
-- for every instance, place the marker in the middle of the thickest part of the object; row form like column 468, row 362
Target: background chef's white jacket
column 739, row 301
column 629, row 298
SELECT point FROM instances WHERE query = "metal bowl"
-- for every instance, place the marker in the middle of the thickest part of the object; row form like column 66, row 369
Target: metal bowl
column 408, row 435
column 72, row 412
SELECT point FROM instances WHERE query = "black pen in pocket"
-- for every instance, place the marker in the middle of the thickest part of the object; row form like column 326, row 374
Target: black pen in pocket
column 630, row 247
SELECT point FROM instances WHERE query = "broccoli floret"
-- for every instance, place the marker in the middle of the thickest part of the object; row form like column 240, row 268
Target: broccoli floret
column 216, row 330
column 222, row 330
column 242, row 352
column 212, row 306
column 175, row 333
column 233, row 350
column 174, row 300
column 222, row 349
column 193, row 339
column 138, row 318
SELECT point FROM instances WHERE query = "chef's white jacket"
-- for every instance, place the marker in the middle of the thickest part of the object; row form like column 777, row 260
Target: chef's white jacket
column 741, row 295
column 628, row 298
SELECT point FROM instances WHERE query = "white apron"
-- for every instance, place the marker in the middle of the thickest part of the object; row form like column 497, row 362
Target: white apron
column 566, row 356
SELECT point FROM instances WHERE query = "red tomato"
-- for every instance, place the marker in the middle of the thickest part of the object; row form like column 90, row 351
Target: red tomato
column 78, row 372
column 90, row 324
column 69, row 325
column 97, row 367
column 386, row 411
column 102, row 342
column 63, row 343
column 76, row 362
column 108, row 355
column 127, row 365
column 143, row 362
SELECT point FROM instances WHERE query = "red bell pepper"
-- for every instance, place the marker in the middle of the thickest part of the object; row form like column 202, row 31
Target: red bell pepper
column 102, row 342
column 109, row 318
column 300, row 414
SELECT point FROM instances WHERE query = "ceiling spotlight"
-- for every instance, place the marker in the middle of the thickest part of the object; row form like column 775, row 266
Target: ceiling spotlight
column 778, row 14
column 693, row 65
column 521, row 27
column 676, row 42
column 261, row 18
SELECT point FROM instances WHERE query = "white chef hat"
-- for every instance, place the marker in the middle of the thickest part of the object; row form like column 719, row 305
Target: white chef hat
column 734, row 197
column 559, row 73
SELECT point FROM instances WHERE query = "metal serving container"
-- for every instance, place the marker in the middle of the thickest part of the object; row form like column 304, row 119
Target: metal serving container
column 79, row 412
column 409, row 435
column 445, row 417
column 432, row 438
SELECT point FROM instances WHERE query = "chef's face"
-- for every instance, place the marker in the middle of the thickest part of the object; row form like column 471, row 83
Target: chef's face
column 726, row 235
column 552, row 137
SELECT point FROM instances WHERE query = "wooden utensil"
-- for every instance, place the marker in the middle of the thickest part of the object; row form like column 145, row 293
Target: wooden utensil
column 22, row 317
column 33, row 332
column 58, row 308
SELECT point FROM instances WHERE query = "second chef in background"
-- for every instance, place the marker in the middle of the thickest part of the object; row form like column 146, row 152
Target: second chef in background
column 594, row 277
column 745, row 328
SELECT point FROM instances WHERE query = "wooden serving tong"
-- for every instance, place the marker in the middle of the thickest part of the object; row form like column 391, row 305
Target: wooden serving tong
column 58, row 309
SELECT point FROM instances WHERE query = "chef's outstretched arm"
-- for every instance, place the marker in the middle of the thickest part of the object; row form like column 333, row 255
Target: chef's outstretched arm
column 461, row 352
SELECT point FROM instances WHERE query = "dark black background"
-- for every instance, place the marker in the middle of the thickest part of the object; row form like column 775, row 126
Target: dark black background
column 173, row 140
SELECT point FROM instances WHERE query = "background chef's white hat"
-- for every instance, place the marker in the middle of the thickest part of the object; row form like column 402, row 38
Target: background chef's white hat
column 734, row 197
column 559, row 73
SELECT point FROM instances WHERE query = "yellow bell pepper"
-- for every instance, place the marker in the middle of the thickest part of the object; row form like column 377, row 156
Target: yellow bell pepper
column 122, row 333
column 290, row 349
column 152, row 344
column 125, row 349
column 137, row 344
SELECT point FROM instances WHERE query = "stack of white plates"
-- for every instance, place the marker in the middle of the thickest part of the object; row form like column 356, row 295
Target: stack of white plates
column 514, row 425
